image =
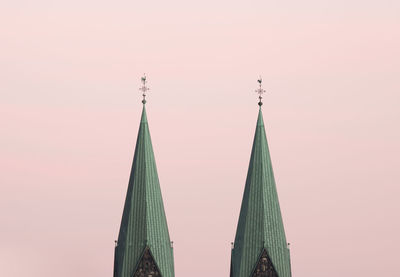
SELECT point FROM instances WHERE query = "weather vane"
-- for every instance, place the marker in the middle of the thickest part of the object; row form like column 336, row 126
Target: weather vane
column 144, row 88
column 260, row 91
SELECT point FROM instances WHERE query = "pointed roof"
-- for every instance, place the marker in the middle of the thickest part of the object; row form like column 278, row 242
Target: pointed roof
column 143, row 224
column 260, row 226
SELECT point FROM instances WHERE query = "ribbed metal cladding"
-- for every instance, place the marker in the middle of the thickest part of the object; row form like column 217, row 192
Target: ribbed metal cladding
column 143, row 221
column 260, row 223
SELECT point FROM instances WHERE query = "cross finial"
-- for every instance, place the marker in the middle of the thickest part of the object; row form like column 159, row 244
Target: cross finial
column 144, row 88
column 260, row 91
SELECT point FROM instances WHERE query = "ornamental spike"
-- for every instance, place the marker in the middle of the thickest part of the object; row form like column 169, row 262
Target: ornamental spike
column 260, row 91
column 144, row 88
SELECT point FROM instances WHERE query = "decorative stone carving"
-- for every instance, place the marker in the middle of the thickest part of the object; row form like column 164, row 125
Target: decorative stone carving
column 264, row 267
column 147, row 266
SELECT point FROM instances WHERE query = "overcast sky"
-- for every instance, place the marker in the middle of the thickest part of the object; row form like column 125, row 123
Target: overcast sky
column 70, row 110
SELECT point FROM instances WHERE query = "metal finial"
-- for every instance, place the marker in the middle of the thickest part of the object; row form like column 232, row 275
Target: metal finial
column 144, row 88
column 260, row 91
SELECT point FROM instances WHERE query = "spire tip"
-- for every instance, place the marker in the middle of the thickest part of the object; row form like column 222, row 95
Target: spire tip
column 144, row 88
column 260, row 91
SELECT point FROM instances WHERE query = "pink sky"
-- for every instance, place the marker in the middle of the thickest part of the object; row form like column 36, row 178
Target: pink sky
column 70, row 110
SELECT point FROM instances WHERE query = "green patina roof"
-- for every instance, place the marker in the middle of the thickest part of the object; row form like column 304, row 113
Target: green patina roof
column 143, row 221
column 260, row 223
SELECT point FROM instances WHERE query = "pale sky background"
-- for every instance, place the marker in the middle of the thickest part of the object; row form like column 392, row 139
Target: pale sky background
column 70, row 110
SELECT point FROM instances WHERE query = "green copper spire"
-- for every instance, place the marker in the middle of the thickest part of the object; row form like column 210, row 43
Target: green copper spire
column 260, row 247
column 143, row 247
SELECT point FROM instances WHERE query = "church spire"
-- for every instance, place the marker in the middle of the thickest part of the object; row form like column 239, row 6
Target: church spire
column 143, row 247
column 260, row 247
